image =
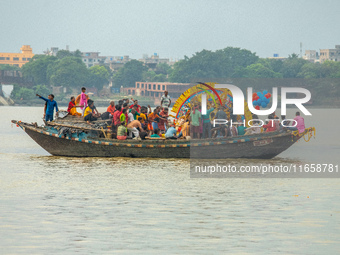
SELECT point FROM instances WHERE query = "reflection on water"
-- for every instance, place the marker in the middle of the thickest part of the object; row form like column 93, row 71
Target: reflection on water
column 57, row 205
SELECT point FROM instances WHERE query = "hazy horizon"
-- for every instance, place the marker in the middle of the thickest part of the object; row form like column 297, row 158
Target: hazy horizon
column 172, row 29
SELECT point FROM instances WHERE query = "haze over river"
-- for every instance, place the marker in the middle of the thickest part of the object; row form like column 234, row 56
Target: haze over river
column 59, row 205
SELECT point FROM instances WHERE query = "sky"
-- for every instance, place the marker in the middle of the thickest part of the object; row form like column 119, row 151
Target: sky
column 172, row 29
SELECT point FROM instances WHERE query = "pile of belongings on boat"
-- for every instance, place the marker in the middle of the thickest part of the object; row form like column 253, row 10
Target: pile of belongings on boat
column 71, row 125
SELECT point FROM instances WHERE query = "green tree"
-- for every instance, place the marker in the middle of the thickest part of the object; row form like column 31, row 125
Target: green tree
column 331, row 69
column 292, row 66
column 98, row 76
column 69, row 72
column 273, row 64
column 163, row 68
column 37, row 69
column 19, row 93
column 131, row 72
column 207, row 64
column 257, row 70
column 63, row 54
column 9, row 68
column 153, row 77
column 41, row 90
column 77, row 54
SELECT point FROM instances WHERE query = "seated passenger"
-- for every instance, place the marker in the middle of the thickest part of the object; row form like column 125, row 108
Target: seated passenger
column 156, row 133
column 271, row 126
column 171, row 132
column 89, row 114
column 255, row 129
column 72, row 108
column 121, row 131
column 241, row 130
column 111, row 109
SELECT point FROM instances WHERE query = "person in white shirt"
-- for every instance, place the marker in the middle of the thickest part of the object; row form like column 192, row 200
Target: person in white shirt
column 165, row 100
column 130, row 117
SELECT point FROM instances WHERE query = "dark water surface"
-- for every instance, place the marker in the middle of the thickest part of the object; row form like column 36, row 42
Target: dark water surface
column 57, row 205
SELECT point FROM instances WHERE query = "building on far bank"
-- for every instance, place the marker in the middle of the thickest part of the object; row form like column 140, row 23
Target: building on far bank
column 92, row 58
column 156, row 89
column 330, row 54
column 154, row 60
column 17, row 59
column 311, row 55
column 52, row 52
column 116, row 62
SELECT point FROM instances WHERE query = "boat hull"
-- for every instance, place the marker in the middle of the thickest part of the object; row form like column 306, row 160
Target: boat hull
column 263, row 146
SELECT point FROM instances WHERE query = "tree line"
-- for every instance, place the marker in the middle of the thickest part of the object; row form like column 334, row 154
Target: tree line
column 238, row 65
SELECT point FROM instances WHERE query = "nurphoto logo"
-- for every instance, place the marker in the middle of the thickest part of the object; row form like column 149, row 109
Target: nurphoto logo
column 238, row 100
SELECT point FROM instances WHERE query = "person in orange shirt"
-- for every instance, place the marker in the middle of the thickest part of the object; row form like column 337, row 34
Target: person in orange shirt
column 111, row 109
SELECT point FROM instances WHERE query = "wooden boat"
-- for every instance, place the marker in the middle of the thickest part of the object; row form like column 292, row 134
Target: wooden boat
column 86, row 143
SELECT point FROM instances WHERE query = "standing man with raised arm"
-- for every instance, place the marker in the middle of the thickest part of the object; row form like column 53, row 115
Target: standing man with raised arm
column 50, row 104
column 165, row 100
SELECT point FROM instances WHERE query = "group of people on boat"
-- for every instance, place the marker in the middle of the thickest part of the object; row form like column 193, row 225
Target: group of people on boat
column 132, row 121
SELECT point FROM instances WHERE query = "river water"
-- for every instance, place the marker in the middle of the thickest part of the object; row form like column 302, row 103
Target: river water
column 57, row 205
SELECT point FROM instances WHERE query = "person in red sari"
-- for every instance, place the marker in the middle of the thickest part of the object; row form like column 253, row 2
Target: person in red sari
column 72, row 108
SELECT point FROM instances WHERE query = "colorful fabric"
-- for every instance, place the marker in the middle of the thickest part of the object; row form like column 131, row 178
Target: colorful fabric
column 122, row 117
column 83, row 100
column 74, row 112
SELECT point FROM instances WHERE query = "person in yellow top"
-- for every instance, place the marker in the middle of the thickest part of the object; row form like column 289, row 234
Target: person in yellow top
column 89, row 114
